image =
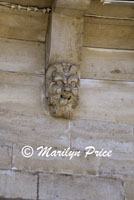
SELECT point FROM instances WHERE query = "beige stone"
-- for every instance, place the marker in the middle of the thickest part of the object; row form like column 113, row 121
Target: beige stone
column 5, row 155
column 77, row 165
column 77, row 4
column 87, row 129
column 98, row 8
column 108, row 33
column 18, row 185
column 104, row 117
column 79, row 187
column 23, row 25
column 34, row 129
column 22, row 56
column 62, row 89
column 108, row 64
column 38, row 3
column 119, row 165
column 69, row 12
column 65, row 39
column 106, row 101
column 129, row 189
column 106, row 144
column 102, row 135
column 21, row 92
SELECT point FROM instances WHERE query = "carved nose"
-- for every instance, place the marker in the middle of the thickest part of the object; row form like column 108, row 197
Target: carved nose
column 67, row 89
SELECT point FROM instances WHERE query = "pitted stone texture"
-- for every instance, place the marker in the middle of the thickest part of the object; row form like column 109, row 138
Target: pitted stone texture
column 66, row 35
column 103, row 100
column 129, row 189
column 62, row 89
column 22, row 25
column 109, row 64
column 119, row 165
column 22, row 56
column 17, row 185
column 77, row 4
column 5, row 155
column 63, row 187
column 85, row 130
column 34, row 129
column 77, row 165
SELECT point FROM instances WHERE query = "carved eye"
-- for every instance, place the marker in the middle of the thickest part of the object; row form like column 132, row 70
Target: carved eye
column 59, row 83
column 73, row 84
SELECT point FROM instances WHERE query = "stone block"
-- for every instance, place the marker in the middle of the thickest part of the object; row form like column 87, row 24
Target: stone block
column 5, row 155
column 76, row 165
column 107, row 64
column 21, row 92
column 18, row 185
column 38, row 3
column 88, row 129
column 110, row 10
column 119, row 165
column 62, row 187
column 33, row 129
column 66, row 39
column 108, row 33
column 30, row 26
column 22, row 56
column 129, row 189
column 77, row 4
column 106, row 101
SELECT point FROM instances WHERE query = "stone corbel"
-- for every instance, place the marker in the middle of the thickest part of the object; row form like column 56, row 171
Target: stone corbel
column 63, row 56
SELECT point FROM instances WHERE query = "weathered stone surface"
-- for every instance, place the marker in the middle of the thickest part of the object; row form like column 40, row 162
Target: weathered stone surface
column 63, row 187
column 108, row 33
column 86, row 130
column 21, row 92
column 129, row 189
column 62, row 89
column 70, row 12
column 106, row 101
column 23, row 114
column 5, row 155
column 18, row 185
column 109, row 64
column 65, row 39
column 22, row 56
column 106, row 144
column 77, row 4
column 98, row 8
column 38, row 3
column 34, row 129
column 23, row 25
column 119, row 165
column 102, row 135
column 77, row 165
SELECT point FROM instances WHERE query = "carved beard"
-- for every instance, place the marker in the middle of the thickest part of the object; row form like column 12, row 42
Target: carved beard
column 62, row 103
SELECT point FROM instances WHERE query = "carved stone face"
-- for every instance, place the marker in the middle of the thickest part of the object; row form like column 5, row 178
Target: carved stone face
column 62, row 86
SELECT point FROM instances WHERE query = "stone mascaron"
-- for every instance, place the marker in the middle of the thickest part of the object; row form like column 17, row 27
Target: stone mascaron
column 62, row 89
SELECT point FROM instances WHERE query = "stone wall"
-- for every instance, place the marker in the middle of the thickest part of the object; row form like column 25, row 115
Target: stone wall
column 98, row 38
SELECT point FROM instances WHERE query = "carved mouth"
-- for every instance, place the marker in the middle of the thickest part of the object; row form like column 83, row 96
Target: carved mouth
column 66, row 97
column 69, row 98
